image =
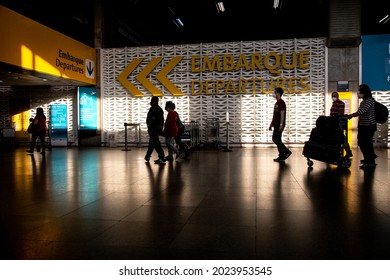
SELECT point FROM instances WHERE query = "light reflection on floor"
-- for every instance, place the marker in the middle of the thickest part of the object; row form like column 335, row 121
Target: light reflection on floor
column 105, row 203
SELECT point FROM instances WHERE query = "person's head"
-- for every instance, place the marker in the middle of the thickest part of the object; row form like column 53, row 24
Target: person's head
column 364, row 91
column 279, row 91
column 169, row 105
column 335, row 95
column 40, row 111
column 154, row 100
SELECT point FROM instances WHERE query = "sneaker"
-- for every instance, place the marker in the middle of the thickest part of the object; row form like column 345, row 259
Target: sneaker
column 367, row 165
column 287, row 154
column 280, row 158
column 169, row 158
column 147, row 159
column 159, row 161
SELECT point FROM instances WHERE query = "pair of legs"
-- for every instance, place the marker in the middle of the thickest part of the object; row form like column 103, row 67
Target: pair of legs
column 284, row 152
column 154, row 144
column 34, row 136
column 170, row 142
column 365, row 135
column 181, row 145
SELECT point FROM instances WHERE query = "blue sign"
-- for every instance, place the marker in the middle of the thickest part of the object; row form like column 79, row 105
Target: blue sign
column 87, row 108
column 376, row 61
column 59, row 124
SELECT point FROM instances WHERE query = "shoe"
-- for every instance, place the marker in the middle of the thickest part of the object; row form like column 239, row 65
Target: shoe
column 287, row 154
column 147, row 159
column 29, row 151
column 367, row 165
column 280, row 158
column 178, row 154
column 159, row 161
column 169, row 158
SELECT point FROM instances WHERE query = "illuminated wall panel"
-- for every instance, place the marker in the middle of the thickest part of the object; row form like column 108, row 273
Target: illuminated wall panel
column 250, row 112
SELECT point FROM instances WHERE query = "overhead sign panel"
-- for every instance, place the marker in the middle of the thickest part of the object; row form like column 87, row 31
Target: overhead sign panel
column 376, row 61
column 33, row 46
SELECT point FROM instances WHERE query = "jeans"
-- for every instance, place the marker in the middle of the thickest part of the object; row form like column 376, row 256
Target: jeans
column 34, row 136
column 365, row 135
column 170, row 142
column 277, row 139
column 154, row 143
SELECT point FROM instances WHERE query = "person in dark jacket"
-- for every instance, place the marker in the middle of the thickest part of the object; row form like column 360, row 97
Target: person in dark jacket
column 366, row 125
column 155, row 123
column 39, row 131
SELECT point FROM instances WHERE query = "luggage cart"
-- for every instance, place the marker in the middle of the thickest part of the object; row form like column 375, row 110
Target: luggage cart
column 190, row 137
column 328, row 142
column 212, row 133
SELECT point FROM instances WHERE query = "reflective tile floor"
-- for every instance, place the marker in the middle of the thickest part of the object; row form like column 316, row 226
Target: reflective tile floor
column 106, row 203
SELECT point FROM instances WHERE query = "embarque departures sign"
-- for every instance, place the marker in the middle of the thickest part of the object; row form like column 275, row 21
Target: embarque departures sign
column 27, row 46
column 274, row 63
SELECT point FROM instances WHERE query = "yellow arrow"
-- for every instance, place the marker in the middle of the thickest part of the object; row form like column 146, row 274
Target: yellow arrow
column 162, row 76
column 122, row 78
column 142, row 77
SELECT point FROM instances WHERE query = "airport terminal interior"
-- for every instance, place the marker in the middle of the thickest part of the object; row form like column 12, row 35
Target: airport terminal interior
column 237, row 203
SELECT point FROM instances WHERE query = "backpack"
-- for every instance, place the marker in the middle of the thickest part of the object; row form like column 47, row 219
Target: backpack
column 381, row 112
column 180, row 125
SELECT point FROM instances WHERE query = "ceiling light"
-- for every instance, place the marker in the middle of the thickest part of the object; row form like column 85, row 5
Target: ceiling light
column 178, row 22
column 220, row 7
column 277, row 4
column 385, row 19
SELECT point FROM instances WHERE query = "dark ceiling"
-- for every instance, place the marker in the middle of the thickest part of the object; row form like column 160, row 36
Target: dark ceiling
column 152, row 22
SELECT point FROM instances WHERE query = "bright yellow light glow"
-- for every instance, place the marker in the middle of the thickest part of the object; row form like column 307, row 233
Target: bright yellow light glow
column 45, row 66
column 21, row 120
column 27, row 58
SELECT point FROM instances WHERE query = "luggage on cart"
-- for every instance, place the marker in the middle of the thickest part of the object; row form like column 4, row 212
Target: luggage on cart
column 212, row 134
column 328, row 142
column 190, row 137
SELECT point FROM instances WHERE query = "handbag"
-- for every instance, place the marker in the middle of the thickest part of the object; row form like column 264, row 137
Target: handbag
column 31, row 128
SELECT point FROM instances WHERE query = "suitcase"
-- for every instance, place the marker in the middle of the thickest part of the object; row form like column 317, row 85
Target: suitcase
column 327, row 142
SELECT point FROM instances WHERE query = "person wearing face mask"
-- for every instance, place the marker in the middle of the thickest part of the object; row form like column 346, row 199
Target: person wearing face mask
column 338, row 106
column 337, row 110
column 366, row 125
column 278, row 123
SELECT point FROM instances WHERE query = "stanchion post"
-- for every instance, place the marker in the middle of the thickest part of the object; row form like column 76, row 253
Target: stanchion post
column 126, row 149
column 227, row 134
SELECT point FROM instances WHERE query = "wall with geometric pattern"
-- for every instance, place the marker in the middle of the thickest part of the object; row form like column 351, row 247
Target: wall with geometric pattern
column 175, row 72
column 249, row 103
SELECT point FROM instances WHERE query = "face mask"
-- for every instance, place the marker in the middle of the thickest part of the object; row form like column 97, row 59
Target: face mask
column 334, row 98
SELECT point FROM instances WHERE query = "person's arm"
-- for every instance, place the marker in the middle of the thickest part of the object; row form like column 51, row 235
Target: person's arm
column 281, row 125
column 350, row 116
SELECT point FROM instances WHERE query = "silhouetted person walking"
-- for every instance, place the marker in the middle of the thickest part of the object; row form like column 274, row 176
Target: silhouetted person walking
column 155, row 123
column 39, row 130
